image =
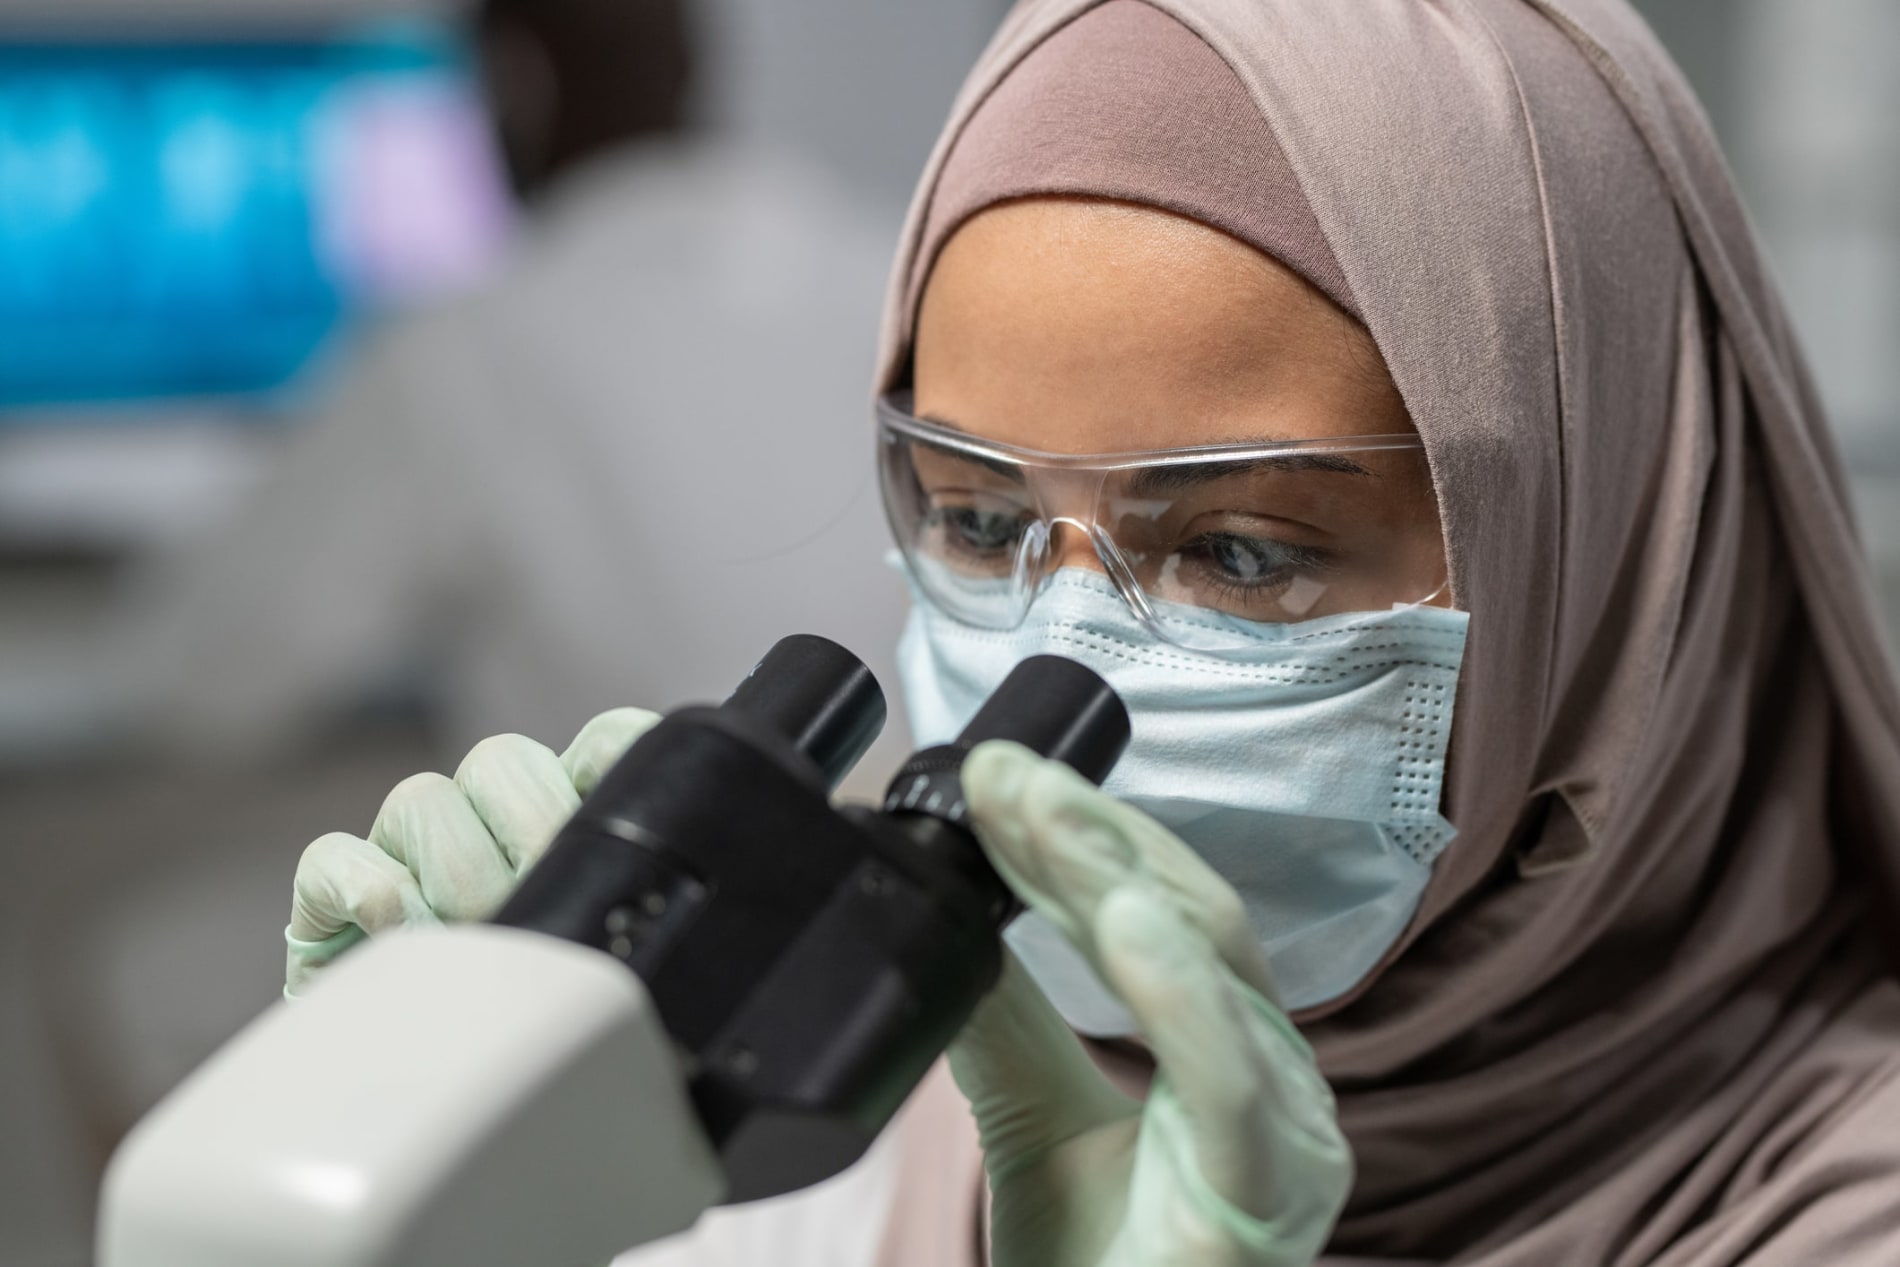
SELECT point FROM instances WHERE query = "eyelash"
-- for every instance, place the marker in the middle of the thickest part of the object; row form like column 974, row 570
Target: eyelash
column 1300, row 560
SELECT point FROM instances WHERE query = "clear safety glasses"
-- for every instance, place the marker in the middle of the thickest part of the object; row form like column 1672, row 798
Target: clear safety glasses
column 1202, row 543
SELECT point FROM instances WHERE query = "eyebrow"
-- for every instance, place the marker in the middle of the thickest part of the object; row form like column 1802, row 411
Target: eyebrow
column 1171, row 478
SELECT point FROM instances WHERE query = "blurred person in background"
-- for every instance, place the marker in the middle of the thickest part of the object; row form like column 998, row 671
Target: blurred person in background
column 523, row 502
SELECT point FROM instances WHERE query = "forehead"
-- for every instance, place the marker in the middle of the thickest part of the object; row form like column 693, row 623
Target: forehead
column 1080, row 326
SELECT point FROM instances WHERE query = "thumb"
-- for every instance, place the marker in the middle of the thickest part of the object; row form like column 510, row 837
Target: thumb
column 1029, row 1082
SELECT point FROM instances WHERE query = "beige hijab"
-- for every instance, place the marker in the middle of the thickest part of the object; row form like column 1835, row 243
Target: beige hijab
column 1639, row 1018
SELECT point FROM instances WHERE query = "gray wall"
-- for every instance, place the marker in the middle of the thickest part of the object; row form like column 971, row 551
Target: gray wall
column 1805, row 96
column 862, row 84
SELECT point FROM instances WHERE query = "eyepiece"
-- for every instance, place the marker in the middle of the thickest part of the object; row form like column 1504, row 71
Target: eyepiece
column 1054, row 707
column 819, row 696
column 1059, row 709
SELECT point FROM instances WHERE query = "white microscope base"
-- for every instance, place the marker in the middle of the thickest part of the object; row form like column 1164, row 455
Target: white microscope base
column 472, row 1096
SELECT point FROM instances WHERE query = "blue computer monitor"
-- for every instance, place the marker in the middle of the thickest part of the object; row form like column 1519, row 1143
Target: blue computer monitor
column 191, row 219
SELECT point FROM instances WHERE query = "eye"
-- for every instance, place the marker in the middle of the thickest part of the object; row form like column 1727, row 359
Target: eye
column 975, row 530
column 1244, row 562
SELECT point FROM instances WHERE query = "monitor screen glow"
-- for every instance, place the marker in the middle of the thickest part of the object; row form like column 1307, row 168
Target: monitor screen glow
column 201, row 219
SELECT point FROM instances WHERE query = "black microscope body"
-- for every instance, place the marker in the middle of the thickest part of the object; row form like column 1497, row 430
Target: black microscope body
column 810, row 961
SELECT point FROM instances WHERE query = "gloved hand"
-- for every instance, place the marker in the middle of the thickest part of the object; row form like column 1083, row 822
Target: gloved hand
column 447, row 850
column 1236, row 1157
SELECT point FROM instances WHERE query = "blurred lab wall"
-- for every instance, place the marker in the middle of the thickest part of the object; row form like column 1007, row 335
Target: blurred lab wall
column 1803, row 95
column 860, row 86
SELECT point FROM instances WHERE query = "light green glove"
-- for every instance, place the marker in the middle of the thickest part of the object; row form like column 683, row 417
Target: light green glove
column 1236, row 1158
column 447, row 850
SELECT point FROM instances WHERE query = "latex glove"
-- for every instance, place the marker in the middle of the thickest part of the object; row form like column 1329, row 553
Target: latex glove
column 447, row 850
column 1236, row 1157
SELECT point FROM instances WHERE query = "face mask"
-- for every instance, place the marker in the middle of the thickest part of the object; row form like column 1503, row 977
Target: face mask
column 1305, row 768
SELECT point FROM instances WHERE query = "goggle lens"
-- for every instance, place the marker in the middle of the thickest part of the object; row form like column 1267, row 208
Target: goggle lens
column 1203, row 544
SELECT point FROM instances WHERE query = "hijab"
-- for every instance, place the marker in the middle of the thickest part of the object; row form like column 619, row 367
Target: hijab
column 1640, row 1017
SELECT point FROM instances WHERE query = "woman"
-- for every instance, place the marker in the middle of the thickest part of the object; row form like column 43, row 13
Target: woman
column 1501, row 409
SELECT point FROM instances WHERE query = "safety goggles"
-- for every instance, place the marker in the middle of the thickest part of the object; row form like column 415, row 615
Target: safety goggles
column 1204, row 544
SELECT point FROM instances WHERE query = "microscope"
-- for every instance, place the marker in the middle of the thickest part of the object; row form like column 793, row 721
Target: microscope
column 717, row 985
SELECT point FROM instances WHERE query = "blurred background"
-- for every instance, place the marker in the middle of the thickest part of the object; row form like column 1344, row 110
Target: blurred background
column 365, row 365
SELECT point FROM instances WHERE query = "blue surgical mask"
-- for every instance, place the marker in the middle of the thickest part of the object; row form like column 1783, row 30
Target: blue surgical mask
column 1305, row 768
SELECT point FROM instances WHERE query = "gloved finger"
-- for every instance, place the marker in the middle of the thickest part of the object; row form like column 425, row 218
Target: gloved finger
column 1176, row 988
column 428, row 825
column 603, row 741
column 1029, row 1082
column 305, row 960
column 1062, row 873
column 344, row 881
column 1259, row 1113
column 345, row 887
column 1064, row 844
column 521, row 792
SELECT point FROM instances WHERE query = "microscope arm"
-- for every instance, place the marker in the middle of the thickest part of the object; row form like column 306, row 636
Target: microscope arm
column 474, row 1096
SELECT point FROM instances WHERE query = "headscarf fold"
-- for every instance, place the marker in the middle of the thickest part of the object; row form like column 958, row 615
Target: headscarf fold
column 1640, row 1018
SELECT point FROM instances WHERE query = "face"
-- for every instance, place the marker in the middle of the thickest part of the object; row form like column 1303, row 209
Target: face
column 1086, row 327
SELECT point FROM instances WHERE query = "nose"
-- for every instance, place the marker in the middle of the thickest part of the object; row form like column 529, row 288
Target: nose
column 1071, row 546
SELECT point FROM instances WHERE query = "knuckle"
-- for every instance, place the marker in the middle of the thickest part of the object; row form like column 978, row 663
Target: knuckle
column 619, row 726
column 417, row 792
column 317, row 855
column 1050, row 808
column 499, row 755
column 602, row 742
column 378, row 907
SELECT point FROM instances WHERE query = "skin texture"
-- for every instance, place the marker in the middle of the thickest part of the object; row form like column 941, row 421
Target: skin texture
column 1085, row 326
